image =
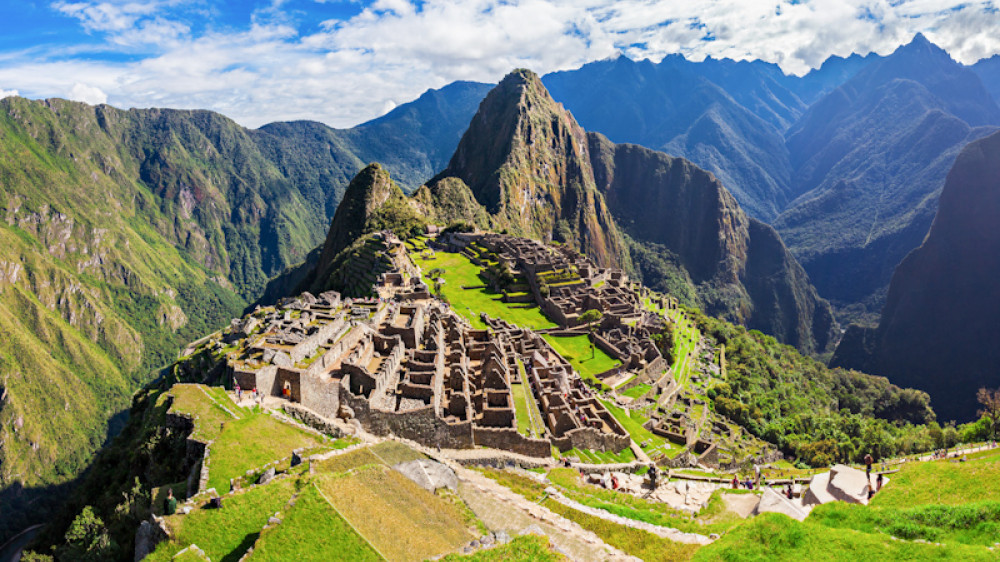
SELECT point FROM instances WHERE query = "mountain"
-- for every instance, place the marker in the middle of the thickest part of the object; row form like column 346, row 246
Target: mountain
column 938, row 331
column 869, row 161
column 525, row 160
column 738, row 265
column 988, row 71
column 525, row 166
column 127, row 234
column 675, row 107
column 829, row 76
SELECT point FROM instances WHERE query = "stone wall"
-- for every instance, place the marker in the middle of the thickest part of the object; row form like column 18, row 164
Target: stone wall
column 262, row 379
column 420, row 425
column 320, row 393
column 509, row 439
column 310, row 418
column 590, row 438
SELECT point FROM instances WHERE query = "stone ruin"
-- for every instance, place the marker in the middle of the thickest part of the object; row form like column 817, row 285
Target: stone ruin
column 417, row 370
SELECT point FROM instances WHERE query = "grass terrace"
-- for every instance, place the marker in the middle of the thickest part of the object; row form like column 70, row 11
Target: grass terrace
column 637, row 391
column 225, row 534
column 632, row 421
column 943, row 481
column 399, row 518
column 460, row 272
column 576, row 350
column 243, row 439
column 772, row 536
column 600, row 457
column 312, row 530
column 529, row 419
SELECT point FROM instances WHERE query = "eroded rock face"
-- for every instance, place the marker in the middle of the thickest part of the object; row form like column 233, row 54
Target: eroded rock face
column 939, row 330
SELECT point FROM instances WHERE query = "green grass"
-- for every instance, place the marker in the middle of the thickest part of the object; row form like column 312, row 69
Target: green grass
column 639, row 543
column 714, row 518
column 240, row 443
column 347, row 461
column 459, row 271
column 576, row 350
column 393, row 453
column 601, row 457
column 312, row 530
column 943, row 482
column 632, row 422
column 525, row 548
column 974, row 523
column 250, row 442
column 529, row 419
column 637, row 390
column 772, row 536
column 227, row 533
column 400, row 519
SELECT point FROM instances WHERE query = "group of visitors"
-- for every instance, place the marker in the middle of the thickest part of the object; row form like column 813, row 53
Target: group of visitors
column 255, row 395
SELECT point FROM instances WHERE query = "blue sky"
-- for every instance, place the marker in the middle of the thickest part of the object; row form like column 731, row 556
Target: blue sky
column 343, row 62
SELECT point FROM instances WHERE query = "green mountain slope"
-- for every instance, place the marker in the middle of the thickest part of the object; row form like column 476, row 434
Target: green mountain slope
column 95, row 292
column 127, row 234
column 938, row 330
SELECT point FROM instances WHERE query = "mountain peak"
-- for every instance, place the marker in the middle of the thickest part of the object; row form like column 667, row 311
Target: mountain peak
column 525, row 159
column 920, row 46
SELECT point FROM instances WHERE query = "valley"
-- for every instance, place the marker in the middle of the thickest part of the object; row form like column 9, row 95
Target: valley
column 635, row 310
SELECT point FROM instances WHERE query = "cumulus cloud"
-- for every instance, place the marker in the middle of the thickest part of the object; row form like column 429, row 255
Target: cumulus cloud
column 87, row 94
column 278, row 65
column 7, row 93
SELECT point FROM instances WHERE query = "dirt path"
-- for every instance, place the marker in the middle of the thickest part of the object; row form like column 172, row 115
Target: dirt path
column 665, row 532
column 503, row 510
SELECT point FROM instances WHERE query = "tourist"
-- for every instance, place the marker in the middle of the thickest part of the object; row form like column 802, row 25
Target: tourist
column 736, row 482
column 878, row 483
column 170, row 503
column 868, row 467
column 239, row 394
column 789, row 492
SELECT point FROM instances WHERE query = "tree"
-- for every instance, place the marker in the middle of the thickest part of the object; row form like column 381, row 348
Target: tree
column 87, row 539
column 435, row 275
column 990, row 399
column 590, row 317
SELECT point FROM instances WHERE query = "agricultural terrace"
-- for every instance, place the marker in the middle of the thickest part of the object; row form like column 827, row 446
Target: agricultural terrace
column 242, row 438
column 459, row 272
column 632, row 420
column 577, row 350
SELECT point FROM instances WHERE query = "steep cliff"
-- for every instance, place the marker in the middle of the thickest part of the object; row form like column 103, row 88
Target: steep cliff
column 738, row 265
column 525, row 160
column 939, row 331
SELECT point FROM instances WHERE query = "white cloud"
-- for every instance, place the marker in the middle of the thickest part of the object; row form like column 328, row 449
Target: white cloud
column 7, row 93
column 352, row 70
column 87, row 94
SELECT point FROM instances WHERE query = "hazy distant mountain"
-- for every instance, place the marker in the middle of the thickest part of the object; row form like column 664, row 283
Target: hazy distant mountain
column 870, row 160
column 988, row 71
column 939, row 330
column 672, row 106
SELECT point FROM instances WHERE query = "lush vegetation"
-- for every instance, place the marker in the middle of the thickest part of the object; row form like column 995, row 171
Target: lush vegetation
column 820, row 415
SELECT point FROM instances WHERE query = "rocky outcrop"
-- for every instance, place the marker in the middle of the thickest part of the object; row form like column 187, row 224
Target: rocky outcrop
column 939, row 331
